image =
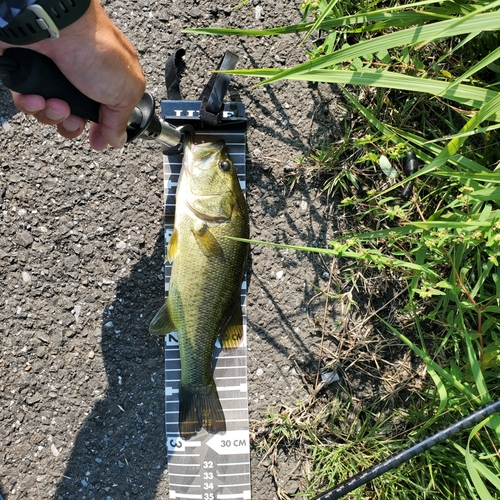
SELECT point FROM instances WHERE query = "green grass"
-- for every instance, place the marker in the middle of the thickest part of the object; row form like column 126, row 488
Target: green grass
column 432, row 70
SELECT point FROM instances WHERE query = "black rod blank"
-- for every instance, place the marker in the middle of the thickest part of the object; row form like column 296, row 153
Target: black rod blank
column 399, row 458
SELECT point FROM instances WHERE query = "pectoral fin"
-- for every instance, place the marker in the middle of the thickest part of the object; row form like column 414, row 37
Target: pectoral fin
column 161, row 324
column 173, row 248
column 232, row 336
column 207, row 242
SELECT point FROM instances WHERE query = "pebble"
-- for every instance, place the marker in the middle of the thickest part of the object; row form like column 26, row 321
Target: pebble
column 329, row 377
column 279, row 275
column 259, row 372
column 195, row 13
column 24, row 238
column 91, row 354
column 163, row 16
column 54, row 450
column 76, row 311
column 71, row 262
column 121, row 244
column 34, row 399
column 26, row 277
column 43, row 337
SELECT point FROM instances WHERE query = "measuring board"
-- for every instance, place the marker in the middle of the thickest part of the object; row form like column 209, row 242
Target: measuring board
column 208, row 466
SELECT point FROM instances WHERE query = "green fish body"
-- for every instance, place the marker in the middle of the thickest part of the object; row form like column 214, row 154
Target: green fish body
column 207, row 270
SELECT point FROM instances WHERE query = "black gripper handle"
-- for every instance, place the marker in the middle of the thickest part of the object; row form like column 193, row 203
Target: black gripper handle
column 38, row 74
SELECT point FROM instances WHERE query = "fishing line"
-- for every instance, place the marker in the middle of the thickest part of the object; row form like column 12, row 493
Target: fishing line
column 399, row 458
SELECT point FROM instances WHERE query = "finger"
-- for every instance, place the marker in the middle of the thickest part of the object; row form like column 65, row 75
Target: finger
column 96, row 139
column 28, row 103
column 113, row 125
column 72, row 127
column 55, row 111
column 49, row 112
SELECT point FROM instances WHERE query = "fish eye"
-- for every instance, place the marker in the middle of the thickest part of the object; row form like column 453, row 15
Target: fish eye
column 225, row 166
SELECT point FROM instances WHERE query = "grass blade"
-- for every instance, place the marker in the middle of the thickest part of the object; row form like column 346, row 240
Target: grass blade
column 388, row 17
column 317, row 25
column 410, row 36
column 466, row 95
column 430, row 362
column 483, row 63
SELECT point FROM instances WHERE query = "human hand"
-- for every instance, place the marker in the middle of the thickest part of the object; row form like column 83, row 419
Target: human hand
column 100, row 61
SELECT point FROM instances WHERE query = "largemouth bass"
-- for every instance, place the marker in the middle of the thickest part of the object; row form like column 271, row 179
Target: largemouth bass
column 207, row 270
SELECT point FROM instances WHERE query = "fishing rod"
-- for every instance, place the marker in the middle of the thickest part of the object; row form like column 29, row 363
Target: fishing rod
column 399, row 458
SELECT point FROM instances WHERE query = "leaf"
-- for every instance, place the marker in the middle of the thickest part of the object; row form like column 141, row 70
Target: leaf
column 474, row 466
column 464, row 94
column 384, row 56
column 387, row 168
column 486, row 194
column 384, row 16
column 453, row 381
column 486, row 61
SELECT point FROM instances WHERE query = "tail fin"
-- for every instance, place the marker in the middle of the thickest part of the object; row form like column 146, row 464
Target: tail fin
column 200, row 408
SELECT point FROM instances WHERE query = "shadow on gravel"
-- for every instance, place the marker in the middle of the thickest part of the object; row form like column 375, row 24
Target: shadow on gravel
column 120, row 449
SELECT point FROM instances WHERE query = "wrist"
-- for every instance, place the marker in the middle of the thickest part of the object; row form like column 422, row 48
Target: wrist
column 76, row 37
column 42, row 20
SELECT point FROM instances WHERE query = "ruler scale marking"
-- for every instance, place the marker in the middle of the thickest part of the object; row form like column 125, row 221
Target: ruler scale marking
column 197, row 461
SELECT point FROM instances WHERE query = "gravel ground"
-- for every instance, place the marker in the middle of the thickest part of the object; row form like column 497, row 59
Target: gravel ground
column 81, row 252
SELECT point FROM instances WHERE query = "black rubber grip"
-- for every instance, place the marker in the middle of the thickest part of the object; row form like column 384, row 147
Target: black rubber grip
column 37, row 74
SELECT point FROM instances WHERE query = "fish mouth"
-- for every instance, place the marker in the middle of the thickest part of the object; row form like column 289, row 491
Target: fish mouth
column 201, row 154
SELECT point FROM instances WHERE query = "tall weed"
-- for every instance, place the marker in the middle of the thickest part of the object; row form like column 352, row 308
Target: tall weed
column 438, row 62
